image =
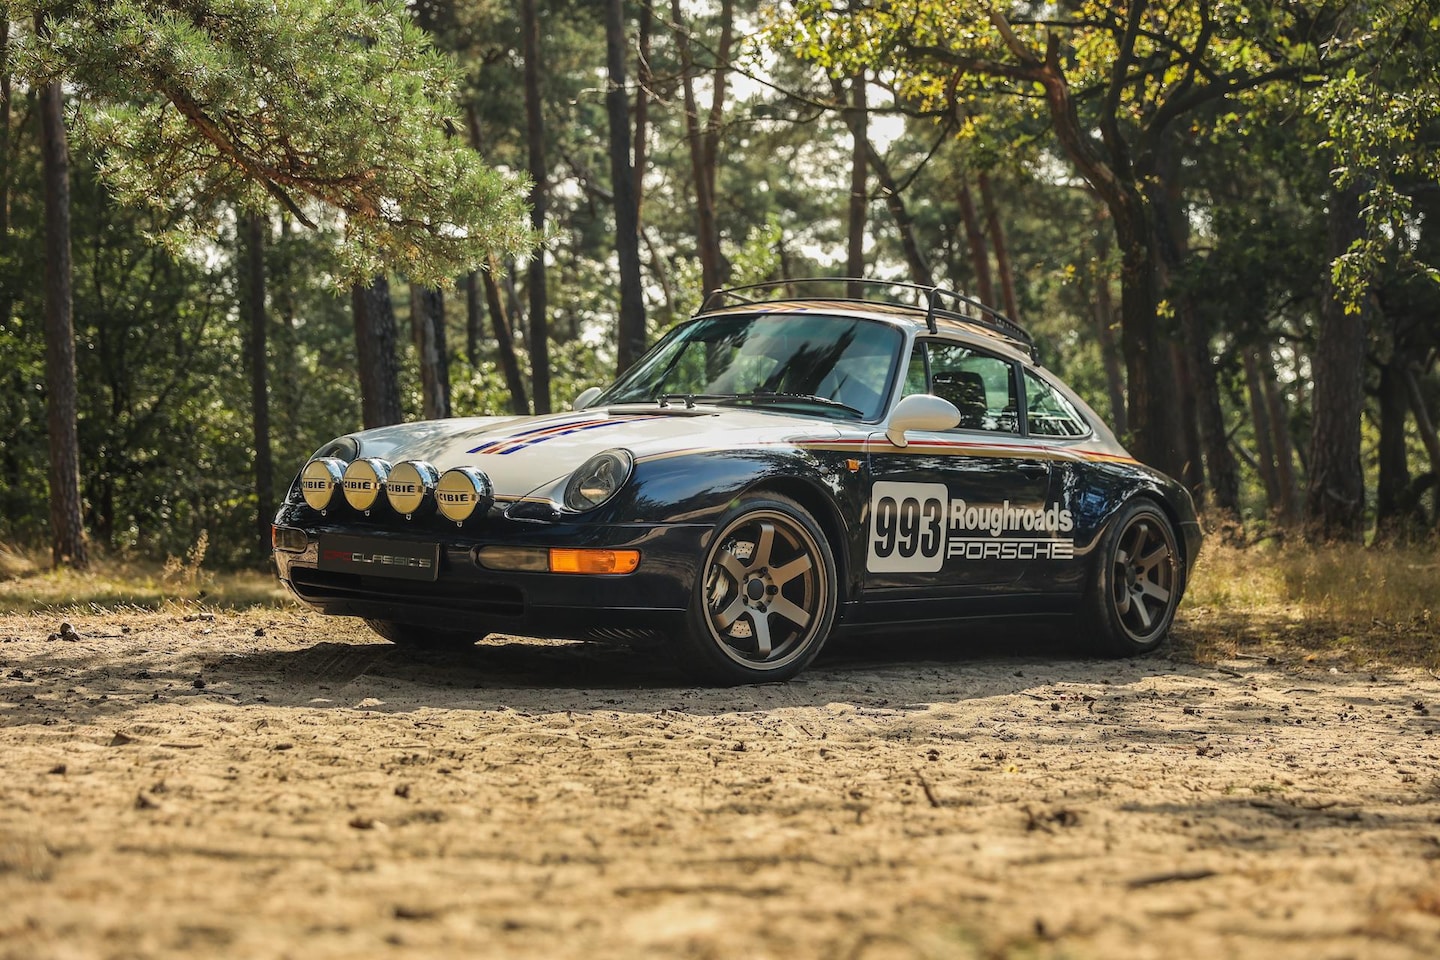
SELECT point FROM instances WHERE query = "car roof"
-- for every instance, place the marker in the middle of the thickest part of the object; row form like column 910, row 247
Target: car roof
column 937, row 310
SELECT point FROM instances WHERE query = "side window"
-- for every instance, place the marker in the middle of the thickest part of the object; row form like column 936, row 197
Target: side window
column 982, row 387
column 1049, row 413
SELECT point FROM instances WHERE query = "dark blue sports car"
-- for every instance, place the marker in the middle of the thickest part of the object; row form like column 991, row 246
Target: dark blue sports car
column 778, row 468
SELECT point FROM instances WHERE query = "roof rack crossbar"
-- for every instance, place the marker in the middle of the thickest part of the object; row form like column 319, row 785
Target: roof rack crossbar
column 961, row 307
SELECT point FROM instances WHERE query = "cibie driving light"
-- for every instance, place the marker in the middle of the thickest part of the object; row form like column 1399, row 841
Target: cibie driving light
column 409, row 486
column 598, row 479
column 319, row 480
column 461, row 492
column 364, row 482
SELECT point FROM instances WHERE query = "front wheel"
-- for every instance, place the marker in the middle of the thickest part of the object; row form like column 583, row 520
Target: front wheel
column 765, row 597
column 413, row 637
column 1137, row 582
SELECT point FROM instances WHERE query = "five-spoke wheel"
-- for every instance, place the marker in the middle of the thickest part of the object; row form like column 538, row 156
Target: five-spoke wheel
column 1138, row 581
column 765, row 597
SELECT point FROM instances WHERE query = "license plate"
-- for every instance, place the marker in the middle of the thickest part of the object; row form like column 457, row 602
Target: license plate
column 372, row 556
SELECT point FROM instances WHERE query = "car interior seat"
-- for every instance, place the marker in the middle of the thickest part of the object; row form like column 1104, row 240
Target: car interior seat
column 965, row 389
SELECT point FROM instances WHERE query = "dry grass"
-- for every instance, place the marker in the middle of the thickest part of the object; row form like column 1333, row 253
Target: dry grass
column 1342, row 604
column 27, row 584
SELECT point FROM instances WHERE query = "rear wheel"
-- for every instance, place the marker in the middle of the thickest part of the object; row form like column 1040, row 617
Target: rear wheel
column 1137, row 582
column 414, row 637
column 765, row 598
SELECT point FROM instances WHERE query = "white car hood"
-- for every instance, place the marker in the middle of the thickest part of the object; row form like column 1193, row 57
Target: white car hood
column 522, row 455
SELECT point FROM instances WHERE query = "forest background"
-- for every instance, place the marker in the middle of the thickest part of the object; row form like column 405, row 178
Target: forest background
column 286, row 221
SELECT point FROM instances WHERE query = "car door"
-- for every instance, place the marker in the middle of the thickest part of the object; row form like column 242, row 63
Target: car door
column 957, row 514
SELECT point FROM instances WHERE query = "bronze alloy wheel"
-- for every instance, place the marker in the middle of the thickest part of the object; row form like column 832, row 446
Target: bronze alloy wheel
column 1139, row 582
column 766, row 596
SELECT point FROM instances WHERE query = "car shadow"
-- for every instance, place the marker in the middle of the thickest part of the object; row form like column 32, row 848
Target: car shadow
column 908, row 670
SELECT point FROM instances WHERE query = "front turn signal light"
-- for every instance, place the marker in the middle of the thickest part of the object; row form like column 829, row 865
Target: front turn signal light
column 593, row 561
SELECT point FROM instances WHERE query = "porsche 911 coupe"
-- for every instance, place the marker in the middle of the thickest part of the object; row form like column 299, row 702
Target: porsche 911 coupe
column 789, row 463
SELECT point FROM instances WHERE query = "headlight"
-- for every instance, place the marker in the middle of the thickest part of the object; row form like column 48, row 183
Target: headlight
column 598, row 479
column 319, row 481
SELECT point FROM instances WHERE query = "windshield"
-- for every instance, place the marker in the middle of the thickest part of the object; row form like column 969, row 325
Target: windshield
column 837, row 365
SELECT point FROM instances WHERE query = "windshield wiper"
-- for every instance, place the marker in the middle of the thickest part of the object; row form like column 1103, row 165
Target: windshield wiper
column 690, row 398
column 792, row 398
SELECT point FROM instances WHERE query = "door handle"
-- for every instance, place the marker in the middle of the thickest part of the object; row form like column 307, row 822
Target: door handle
column 1034, row 469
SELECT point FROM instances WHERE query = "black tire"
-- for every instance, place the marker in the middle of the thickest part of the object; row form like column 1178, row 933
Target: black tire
column 414, row 637
column 765, row 596
column 1136, row 584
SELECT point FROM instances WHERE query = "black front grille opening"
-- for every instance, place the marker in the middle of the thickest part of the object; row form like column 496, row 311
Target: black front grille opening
column 319, row 586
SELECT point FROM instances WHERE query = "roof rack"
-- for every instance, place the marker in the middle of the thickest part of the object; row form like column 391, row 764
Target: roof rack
column 962, row 308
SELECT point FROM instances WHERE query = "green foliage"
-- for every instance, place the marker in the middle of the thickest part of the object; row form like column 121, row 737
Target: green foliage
column 342, row 112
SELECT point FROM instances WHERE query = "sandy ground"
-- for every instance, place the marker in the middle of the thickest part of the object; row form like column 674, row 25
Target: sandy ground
column 280, row 785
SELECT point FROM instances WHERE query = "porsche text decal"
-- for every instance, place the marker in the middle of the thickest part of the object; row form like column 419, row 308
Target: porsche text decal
column 916, row 527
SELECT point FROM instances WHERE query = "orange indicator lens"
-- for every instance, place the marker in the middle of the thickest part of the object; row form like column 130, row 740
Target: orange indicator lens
column 593, row 561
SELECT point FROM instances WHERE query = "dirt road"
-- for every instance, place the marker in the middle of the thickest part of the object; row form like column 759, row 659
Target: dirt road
column 279, row 785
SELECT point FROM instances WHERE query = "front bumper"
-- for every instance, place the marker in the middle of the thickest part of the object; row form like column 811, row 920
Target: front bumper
column 466, row 595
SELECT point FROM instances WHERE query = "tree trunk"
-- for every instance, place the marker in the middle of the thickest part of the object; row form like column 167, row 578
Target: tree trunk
column 1001, row 246
column 643, row 80
column 474, row 323
column 1426, row 428
column 375, row 337
column 1284, row 447
column 67, row 532
column 631, row 327
column 703, row 153
column 858, row 118
column 4, row 152
column 427, row 330
column 1105, row 323
column 1335, row 500
column 253, row 299
column 1152, row 415
column 504, row 341
column 1153, row 419
column 1394, row 470
column 975, row 240
column 535, row 139
column 1264, row 433
column 904, row 223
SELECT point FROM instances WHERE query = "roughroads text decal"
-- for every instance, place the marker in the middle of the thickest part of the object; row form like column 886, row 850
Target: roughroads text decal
column 915, row 527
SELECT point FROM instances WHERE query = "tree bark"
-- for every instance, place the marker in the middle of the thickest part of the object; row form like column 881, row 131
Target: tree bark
column 504, row 341
column 1426, row 428
column 474, row 323
column 253, row 298
column 1105, row 323
column 535, row 139
column 630, row 332
column 643, row 79
column 375, row 336
column 4, row 152
column 904, row 223
column 1264, row 433
column 1335, row 499
column 1153, row 420
column 427, row 330
column 704, row 142
column 858, row 118
column 1284, row 447
column 1001, row 246
column 1393, row 482
column 68, row 546
column 975, row 241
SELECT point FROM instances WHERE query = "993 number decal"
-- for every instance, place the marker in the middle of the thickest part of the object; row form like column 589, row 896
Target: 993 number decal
column 907, row 527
